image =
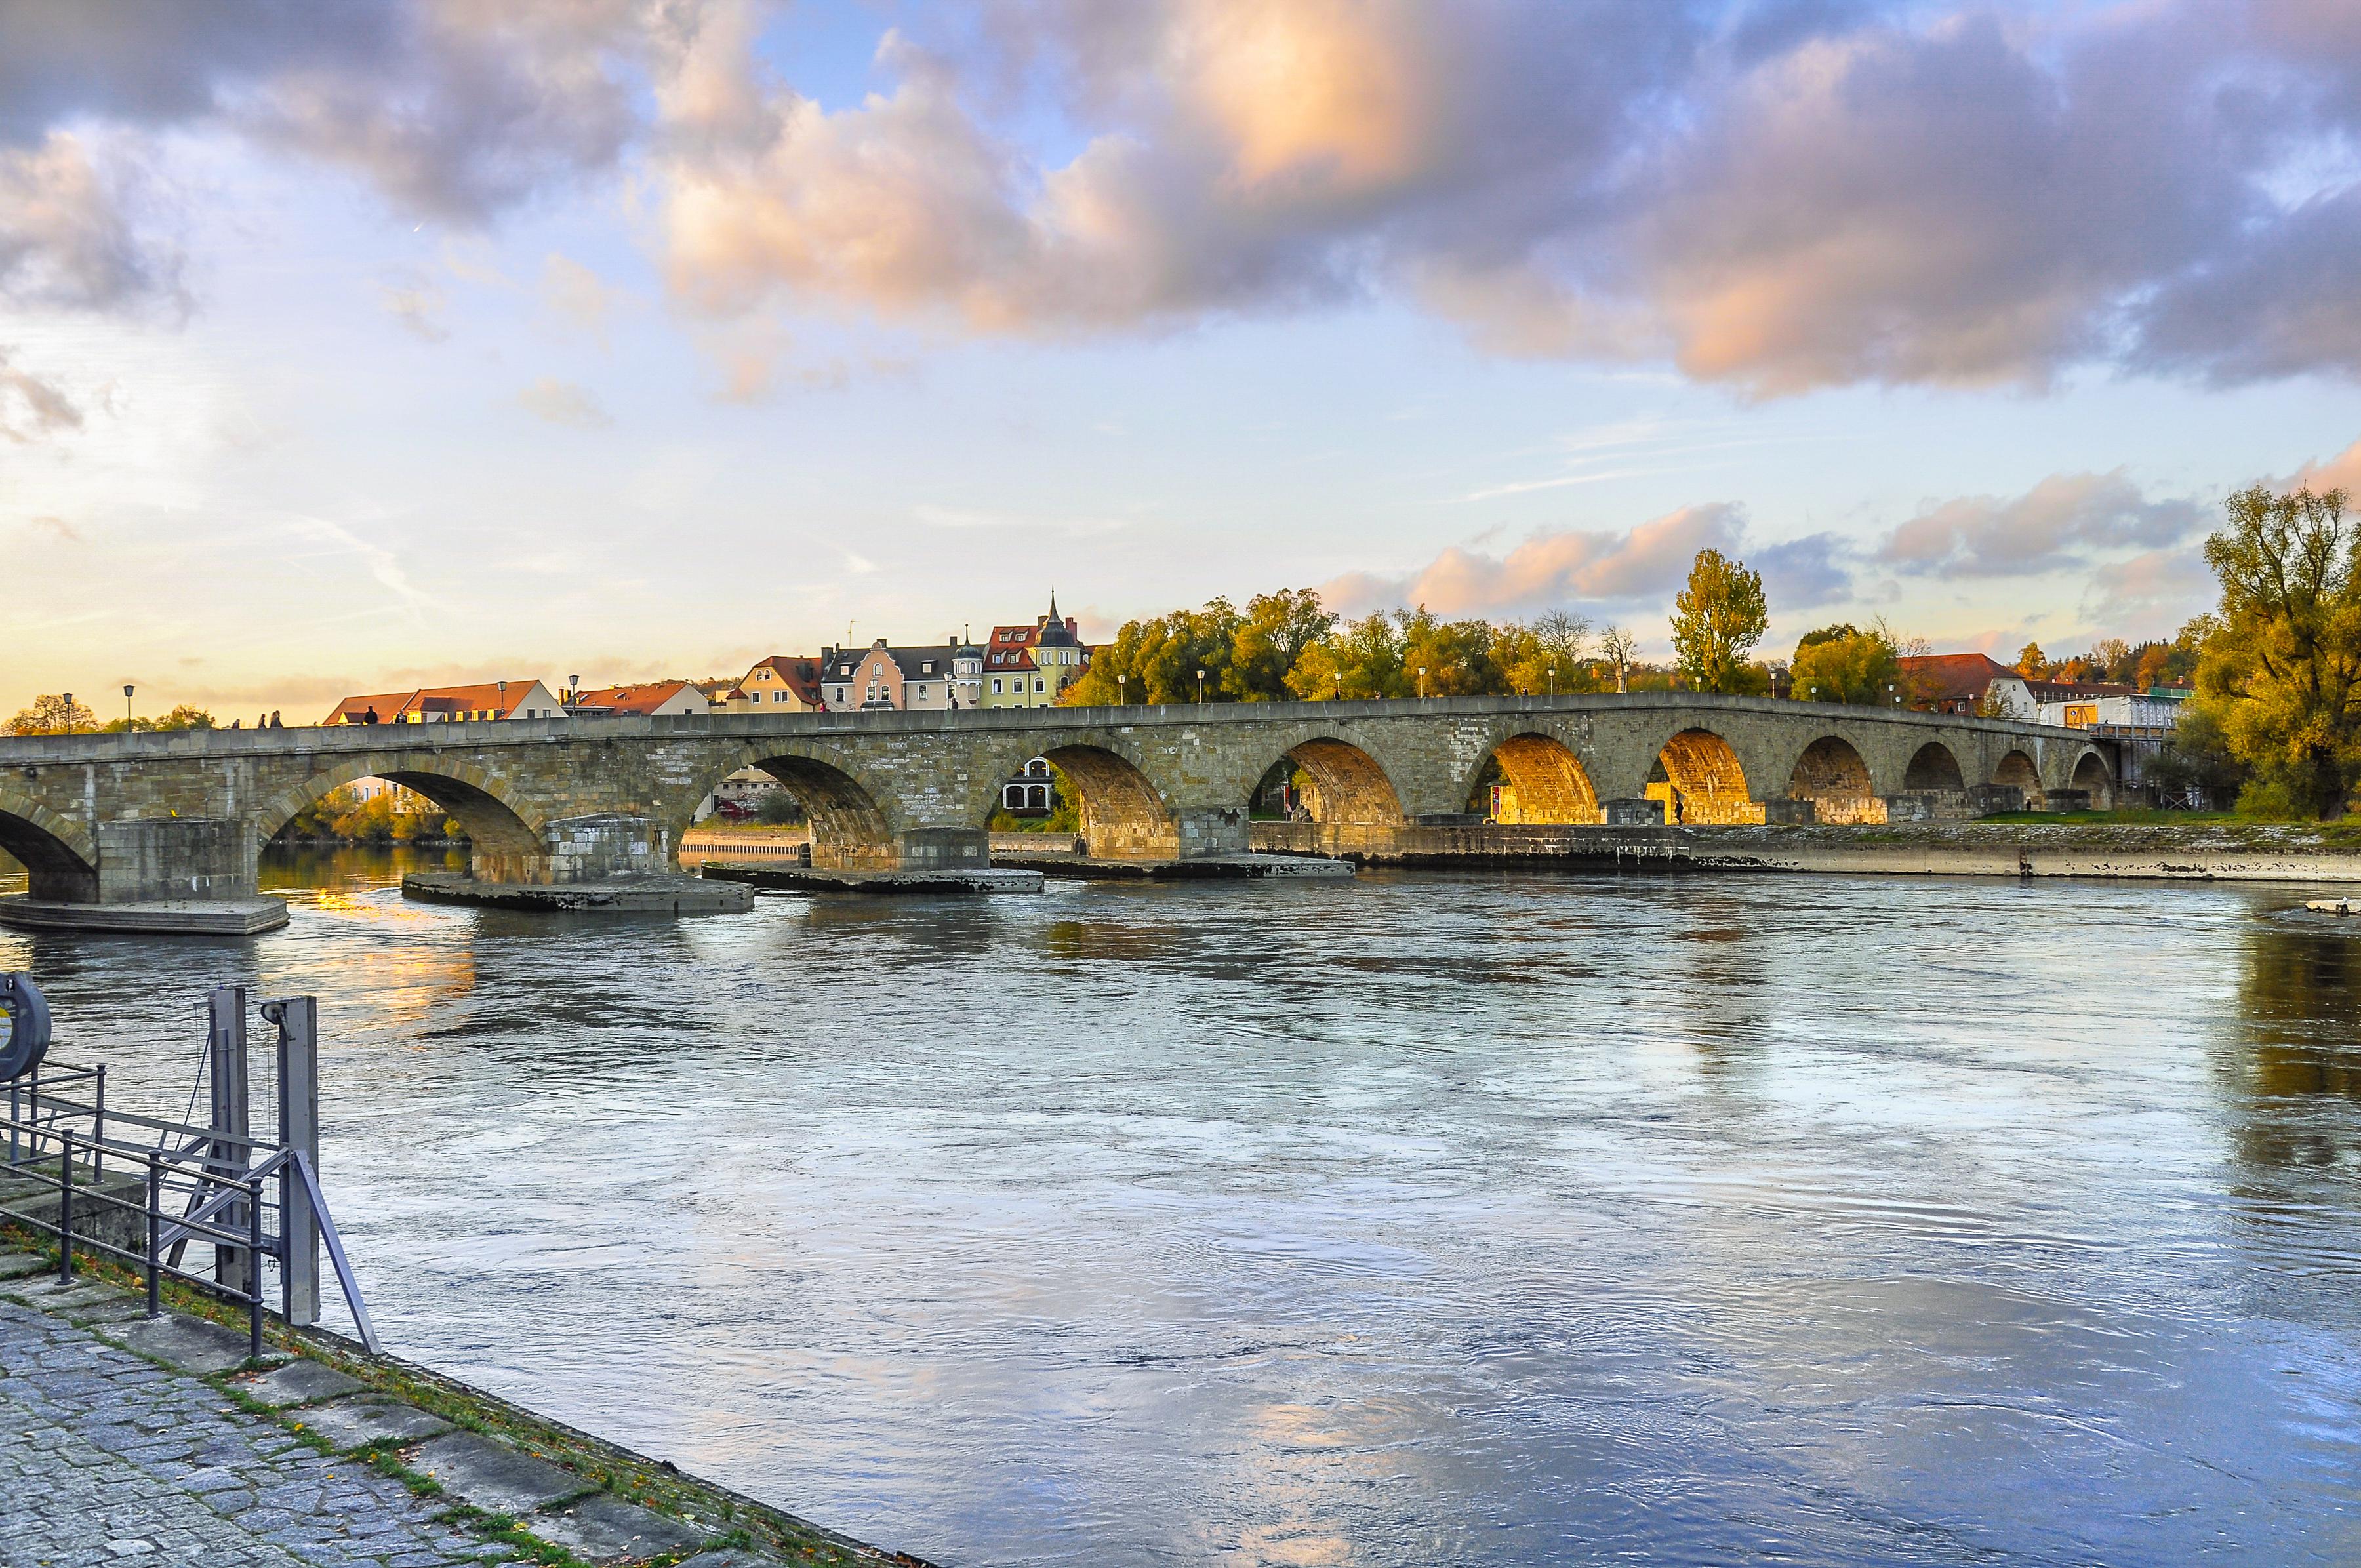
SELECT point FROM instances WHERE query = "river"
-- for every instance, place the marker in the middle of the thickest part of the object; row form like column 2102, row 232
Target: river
column 1424, row 1219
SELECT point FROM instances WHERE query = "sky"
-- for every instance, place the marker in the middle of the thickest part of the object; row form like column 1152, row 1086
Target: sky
column 349, row 348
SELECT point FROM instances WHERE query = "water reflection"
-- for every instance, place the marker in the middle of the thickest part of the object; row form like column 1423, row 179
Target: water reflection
column 1426, row 1218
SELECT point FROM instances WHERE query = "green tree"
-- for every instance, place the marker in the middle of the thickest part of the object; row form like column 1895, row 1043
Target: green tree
column 57, row 715
column 2280, row 672
column 1358, row 661
column 1275, row 630
column 184, row 717
column 1156, row 661
column 1717, row 620
column 1546, row 656
column 2031, row 663
column 1456, row 655
column 1843, row 664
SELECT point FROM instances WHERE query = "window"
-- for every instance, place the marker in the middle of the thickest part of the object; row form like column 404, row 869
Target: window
column 1037, row 685
column 927, row 668
column 995, row 686
column 839, row 694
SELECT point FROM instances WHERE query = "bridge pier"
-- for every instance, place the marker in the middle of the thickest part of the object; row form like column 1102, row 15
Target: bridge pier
column 171, row 873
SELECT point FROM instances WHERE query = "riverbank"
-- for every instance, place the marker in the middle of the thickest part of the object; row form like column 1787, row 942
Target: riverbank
column 2213, row 851
column 2210, row 850
column 156, row 1439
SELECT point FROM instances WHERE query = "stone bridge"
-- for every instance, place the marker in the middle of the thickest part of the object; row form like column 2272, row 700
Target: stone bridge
column 131, row 817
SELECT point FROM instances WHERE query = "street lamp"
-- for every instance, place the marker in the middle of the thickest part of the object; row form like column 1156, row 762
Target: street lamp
column 1421, row 680
column 69, row 713
column 1121, row 695
column 1200, row 685
column 127, row 705
column 1339, row 676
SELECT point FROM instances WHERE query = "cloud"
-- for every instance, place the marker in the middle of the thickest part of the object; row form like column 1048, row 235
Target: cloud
column 1794, row 196
column 66, row 236
column 417, row 304
column 577, row 295
column 2058, row 523
column 2155, row 588
column 454, row 109
column 1646, row 564
column 32, row 409
column 563, row 402
column 57, row 527
column 2342, row 472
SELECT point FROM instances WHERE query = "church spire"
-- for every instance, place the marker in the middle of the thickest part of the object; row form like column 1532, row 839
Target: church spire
column 1053, row 604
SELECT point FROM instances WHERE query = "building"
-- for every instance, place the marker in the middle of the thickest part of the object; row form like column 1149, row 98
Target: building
column 652, row 698
column 1032, row 792
column 780, row 684
column 881, row 676
column 440, row 704
column 1967, row 683
column 1031, row 666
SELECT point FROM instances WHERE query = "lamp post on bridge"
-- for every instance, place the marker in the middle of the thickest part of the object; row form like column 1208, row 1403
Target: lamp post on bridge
column 127, row 705
column 69, row 712
column 1201, row 687
column 1421, row 680
column 1122, row 691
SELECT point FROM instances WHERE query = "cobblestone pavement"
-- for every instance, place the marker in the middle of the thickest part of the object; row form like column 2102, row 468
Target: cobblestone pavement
column 106, row 1458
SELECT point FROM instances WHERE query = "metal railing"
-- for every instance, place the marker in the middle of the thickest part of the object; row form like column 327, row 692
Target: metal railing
column 245, row 1198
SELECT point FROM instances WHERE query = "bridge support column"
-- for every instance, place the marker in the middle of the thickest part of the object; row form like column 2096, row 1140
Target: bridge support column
column 943, row 849
column 1212, row 831
column 191, row 874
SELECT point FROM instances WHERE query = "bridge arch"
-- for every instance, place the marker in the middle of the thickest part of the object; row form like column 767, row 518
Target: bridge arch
column 505, row 828
column 1124, row 816
column 1548, row 782
column 59, row 860
column 2018, row 770
column 1703, row 782
column 1933, row 768
column 852, row 824
column 1831, row 774
column 2092, row 775
column 1346, row 784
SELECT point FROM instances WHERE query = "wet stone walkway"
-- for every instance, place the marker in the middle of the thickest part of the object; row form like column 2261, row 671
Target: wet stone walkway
column 108, row 1458
column 121, row 1444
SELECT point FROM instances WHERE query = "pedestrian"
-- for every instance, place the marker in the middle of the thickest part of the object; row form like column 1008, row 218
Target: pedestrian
column 371, row 716
column 275, row 724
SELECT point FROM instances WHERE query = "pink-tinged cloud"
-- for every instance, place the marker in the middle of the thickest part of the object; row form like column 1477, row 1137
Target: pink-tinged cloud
column 1645, row 564
column 2150, row 593
column 2342, row 472
column 2059, row 523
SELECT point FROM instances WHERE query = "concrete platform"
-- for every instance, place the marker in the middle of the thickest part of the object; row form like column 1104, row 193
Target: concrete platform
column 194, row 916
column 634, row 896
column 808, row 879
column 1211, row 868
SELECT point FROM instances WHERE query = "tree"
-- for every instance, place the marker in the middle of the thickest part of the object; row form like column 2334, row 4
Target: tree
column 1156, row 661
column 1456, row 655
column 1358, row 661
column 2031, row 663
column 1546, row 656
column 57, row 715
column 1276, row 629
column 2280, row 671
column 1841, row 664
column 1716, row 621
column 184, row 717
column 1620, row 649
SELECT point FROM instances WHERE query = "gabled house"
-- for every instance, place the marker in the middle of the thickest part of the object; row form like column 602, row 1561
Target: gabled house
column 442, row 705
column 649, row 697
column 1967, row 683
column 780, row 684
column 1031, row 666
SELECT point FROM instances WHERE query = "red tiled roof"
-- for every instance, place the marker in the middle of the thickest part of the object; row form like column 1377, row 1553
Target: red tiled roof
column 1947, row 676
column 643, row 698
column 484, row 696
column 801, row 673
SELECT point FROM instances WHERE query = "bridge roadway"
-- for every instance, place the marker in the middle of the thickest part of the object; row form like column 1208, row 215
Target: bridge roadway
column 127, row 819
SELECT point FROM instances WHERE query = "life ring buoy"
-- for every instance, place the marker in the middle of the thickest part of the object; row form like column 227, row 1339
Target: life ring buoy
column 24, row 1026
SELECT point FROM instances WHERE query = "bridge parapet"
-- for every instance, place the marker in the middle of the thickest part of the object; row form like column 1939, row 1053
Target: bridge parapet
column 127, row 817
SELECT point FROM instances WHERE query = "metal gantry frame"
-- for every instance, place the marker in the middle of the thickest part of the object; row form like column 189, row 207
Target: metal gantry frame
column 215, row 1185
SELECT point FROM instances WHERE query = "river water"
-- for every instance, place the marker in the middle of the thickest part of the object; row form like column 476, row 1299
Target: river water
column 1425, row 1219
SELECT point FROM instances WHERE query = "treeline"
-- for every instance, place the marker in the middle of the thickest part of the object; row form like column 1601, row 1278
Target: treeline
column 57, row 713
column 1289, row 645
column 389, row 817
